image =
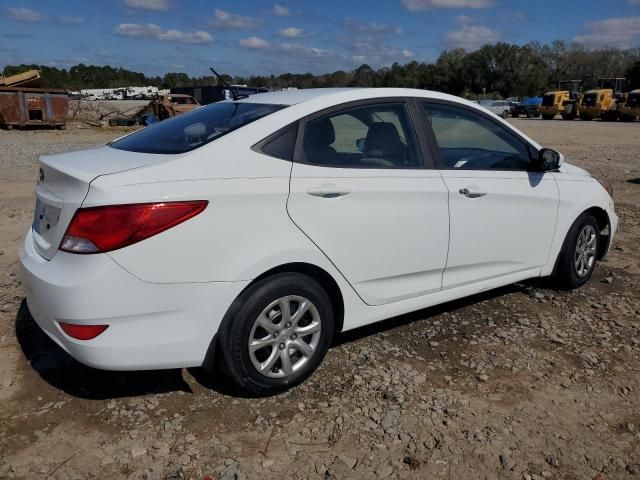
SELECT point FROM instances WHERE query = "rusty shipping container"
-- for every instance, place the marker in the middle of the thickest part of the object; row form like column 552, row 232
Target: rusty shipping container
column 20, row 107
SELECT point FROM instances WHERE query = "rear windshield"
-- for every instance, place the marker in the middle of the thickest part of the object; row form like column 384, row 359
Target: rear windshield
column 189, row 131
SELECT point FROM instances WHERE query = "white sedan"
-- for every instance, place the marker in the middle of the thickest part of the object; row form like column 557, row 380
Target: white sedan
column 499, row 107
column 251, row 231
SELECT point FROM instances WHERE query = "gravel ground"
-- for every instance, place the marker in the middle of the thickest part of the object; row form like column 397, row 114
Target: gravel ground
column 518, row 383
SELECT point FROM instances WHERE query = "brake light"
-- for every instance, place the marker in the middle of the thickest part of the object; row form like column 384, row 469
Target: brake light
column 82, row 332
column 102, row 229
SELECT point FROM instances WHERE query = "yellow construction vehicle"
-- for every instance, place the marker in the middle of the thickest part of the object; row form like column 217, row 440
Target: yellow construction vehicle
column 631, row 108
column 563, row 101
column 604, row 102
column 19, row 79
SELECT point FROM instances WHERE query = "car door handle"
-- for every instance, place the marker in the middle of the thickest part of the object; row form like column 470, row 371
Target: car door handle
column 332, row 191
column 472, row 192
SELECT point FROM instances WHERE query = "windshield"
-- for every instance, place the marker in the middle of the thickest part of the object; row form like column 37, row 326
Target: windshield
column 191, row 130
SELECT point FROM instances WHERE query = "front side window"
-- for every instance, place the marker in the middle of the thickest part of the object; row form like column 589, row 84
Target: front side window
column 373, row 136
column 470, row 141
column 191, row 130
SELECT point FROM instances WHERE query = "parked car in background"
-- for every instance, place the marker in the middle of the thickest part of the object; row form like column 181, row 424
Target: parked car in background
column 528, row 106
column 250, row 232
column 501, row 108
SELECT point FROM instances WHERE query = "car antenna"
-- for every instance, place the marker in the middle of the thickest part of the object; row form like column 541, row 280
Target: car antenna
column 234, row 93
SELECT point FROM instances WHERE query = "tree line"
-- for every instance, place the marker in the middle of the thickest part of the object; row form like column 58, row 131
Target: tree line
column 495, row 70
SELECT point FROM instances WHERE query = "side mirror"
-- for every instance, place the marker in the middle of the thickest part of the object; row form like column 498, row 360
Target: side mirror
column 360, row 144
column 549, row 160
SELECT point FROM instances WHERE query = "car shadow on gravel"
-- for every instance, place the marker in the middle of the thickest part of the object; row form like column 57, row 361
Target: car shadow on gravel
column 427, row 313
column 61, row 371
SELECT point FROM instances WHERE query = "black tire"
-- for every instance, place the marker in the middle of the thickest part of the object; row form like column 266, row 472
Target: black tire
column 546, row 116
column 235, row 331
column 586, row 117
column 566, row 275
column 505, row 114
column 627, row 118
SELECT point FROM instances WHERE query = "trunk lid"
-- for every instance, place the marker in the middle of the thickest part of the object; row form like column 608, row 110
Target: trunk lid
column 62, row 185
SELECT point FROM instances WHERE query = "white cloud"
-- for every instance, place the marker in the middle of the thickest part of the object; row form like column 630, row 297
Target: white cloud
column 224, row 20
column 464, row 19
column 254, row 43
column 158, row 5
column 304, row 51
column 291, row 32
column 372, row 28
column 382, row 55
column 154, row 32
column 621, row 32
column 22, row 14
column 281, row 11
column 471, row 37
column 70, row 20
column 415, row 5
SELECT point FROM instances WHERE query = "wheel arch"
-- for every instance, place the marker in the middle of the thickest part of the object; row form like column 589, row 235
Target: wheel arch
column 604, row 223
column 320, row 275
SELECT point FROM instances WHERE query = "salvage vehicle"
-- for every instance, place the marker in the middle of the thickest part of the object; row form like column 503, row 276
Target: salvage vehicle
column 631, row 108
column 248, row 233
column 603, row 102
column 168, row 106
column 529, row 107
column 565, row 101
column 499, row 107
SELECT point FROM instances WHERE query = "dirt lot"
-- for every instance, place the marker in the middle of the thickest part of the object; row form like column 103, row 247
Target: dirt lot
column 518, row 383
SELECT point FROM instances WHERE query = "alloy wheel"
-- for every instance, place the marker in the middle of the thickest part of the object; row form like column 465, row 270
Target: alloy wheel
column 585, row 253
column 284, row 336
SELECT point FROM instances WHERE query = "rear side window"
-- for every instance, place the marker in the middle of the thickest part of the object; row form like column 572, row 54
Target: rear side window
column 283, row 144
column 191, row 130
column 371, row 136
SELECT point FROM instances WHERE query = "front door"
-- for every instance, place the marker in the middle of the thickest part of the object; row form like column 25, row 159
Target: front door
column 503, row 215
column 361, row 193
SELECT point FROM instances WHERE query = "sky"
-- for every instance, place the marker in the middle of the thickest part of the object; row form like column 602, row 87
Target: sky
column 263, row 37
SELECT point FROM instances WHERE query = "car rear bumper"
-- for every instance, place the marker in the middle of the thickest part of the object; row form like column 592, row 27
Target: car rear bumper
column 151, row 325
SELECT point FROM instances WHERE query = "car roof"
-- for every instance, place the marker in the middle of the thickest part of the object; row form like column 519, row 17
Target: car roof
column 291, row 97
column 339, row 95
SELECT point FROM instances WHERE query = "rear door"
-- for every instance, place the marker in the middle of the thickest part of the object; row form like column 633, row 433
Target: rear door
column 361, row 191
column 503, row 216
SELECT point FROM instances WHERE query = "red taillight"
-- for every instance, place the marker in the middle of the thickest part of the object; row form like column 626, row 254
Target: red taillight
column 102, row 229
column 82, row 332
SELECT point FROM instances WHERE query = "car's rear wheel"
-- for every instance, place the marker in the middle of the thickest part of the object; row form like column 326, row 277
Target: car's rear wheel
column 579, row 253
column 276, row 333
column 505, row 114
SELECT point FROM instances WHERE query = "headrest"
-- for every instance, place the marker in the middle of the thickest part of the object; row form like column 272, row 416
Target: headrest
column 383, row 141
column 320, row 132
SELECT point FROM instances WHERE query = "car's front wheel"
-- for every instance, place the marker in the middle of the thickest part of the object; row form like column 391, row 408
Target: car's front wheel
column 276, row 333
column 579, row 253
